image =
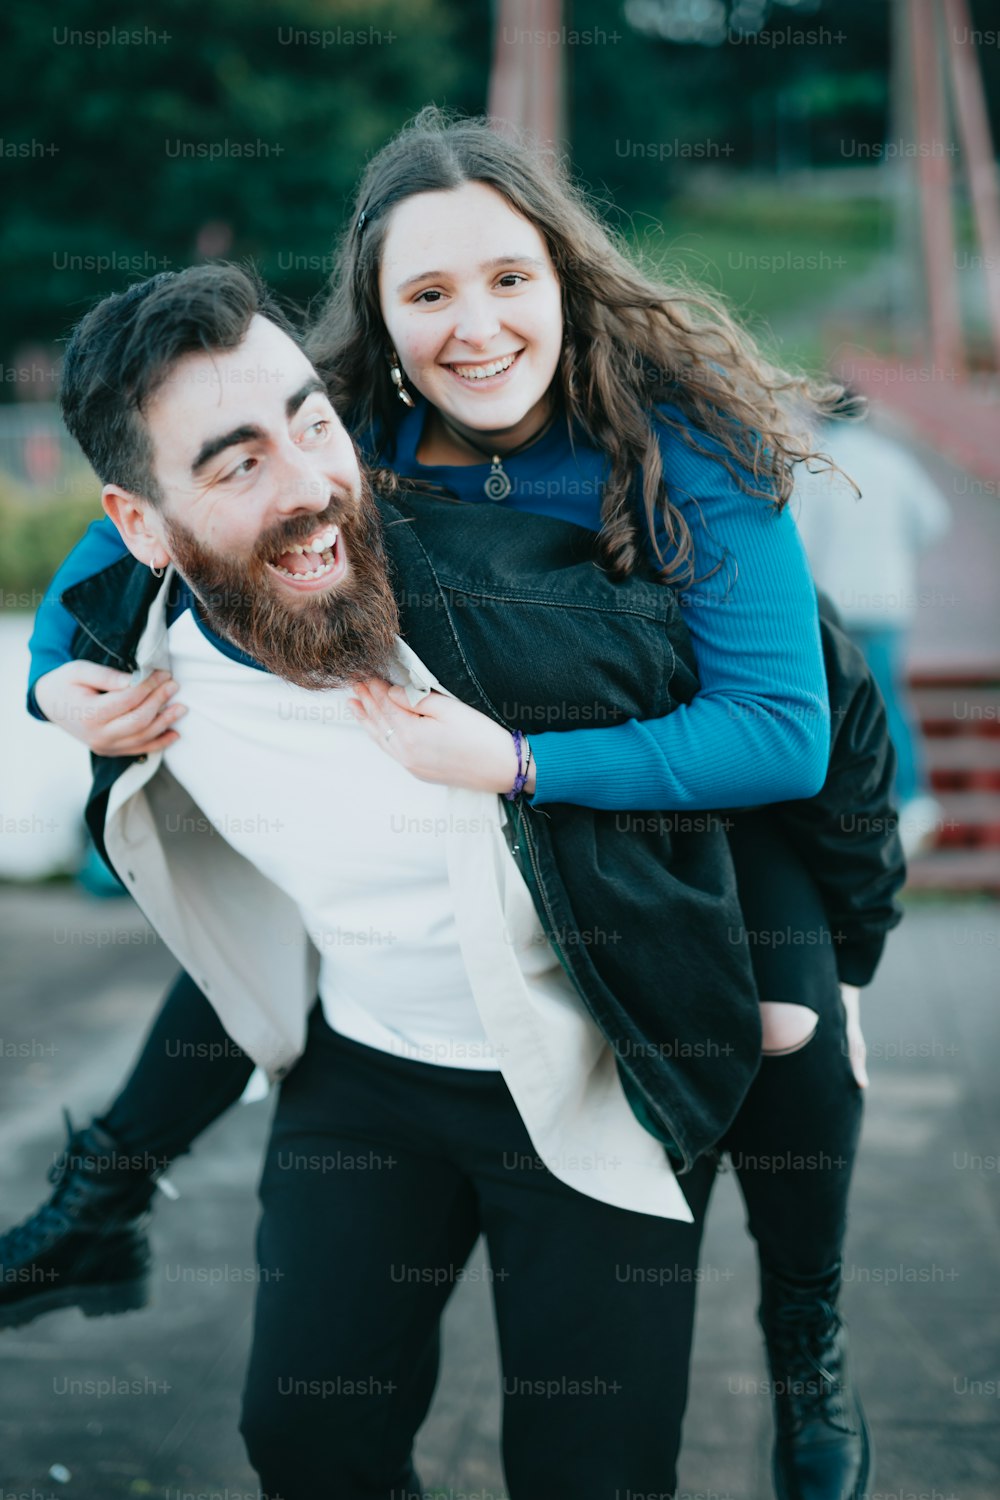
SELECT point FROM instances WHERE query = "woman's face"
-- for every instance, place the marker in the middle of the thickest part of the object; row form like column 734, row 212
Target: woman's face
column 472, row 307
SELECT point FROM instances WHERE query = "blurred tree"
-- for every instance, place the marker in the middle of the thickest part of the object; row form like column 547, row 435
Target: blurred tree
column 807, row 86
column 131, row 144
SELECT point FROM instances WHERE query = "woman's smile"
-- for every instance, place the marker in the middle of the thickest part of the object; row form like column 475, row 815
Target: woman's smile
column 478, row 333
column 487, row 375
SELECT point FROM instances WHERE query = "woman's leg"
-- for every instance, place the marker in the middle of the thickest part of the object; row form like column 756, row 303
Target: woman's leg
column 86, row 1246
column 187, row 1074
column 793, row 1147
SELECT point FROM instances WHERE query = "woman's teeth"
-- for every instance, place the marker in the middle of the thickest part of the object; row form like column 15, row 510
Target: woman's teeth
column 483, row 372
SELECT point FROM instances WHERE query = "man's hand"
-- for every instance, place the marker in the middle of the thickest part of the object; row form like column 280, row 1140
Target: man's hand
column 440, row 740
column 856, row 1049
column 107, row 711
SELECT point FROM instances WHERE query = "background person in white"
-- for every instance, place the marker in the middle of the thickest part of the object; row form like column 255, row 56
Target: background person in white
column 357, row 1265
column 864, row 554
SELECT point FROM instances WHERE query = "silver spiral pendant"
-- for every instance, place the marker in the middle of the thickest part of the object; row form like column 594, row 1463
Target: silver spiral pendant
column 497, row 486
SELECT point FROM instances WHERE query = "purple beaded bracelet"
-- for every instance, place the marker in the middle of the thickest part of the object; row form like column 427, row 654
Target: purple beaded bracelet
column 522, row 770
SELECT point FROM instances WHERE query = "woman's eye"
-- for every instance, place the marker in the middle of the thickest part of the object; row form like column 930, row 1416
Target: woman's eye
column 512, row 278
column 429, row 297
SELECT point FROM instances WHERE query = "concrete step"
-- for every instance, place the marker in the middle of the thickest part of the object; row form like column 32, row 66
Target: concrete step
column 957, row 709
column 968, row 762
column 969, row 819
column 956, row 870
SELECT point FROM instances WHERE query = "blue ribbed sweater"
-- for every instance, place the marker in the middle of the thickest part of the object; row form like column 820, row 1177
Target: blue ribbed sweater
column 758, row 730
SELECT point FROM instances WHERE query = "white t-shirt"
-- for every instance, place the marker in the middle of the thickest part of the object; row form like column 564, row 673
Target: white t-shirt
column 354, row 839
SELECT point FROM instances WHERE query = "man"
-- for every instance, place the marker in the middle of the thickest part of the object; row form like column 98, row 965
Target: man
column 273, row 837
column 279, row 853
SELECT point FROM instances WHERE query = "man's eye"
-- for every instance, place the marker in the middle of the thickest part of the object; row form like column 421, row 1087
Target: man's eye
column 317, row 430
column 242, row 469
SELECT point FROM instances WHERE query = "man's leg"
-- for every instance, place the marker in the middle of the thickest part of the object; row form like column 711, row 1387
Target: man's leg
column 366, row 1223
column 595, row 1307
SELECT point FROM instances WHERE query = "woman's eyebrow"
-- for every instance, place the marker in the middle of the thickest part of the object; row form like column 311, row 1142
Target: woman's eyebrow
column 487, row 265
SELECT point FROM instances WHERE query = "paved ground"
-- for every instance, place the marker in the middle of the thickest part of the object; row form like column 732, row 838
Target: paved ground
column 80, row 977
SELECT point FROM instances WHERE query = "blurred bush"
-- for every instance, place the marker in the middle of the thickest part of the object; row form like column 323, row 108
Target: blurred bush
column 37, row 529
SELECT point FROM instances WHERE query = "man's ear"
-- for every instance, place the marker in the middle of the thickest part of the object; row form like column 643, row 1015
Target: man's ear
column 134, row 518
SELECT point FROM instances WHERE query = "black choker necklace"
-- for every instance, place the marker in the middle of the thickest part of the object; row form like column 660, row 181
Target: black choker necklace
column 497, row 485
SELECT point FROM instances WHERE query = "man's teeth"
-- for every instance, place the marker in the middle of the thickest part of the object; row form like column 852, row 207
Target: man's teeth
column 328, row 564
column 322, row 546
column 319, row 544
column 483, row 372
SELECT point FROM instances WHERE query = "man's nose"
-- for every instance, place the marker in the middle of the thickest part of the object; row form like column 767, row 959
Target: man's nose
column 307, row 476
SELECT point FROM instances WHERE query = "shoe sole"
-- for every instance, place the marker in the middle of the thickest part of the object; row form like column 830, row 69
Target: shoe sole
column 860, row 1490
column 93, row 1302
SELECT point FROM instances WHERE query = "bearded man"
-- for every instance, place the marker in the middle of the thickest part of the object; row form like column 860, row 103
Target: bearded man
column 492, row 1019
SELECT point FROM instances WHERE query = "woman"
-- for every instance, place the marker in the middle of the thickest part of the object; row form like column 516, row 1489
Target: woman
column 484, row 334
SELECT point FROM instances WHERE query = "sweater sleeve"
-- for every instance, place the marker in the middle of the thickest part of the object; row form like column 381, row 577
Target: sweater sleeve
column 51, row 643
column 758, row 730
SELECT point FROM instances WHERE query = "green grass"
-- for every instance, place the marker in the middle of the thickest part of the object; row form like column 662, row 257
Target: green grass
column 772, row 257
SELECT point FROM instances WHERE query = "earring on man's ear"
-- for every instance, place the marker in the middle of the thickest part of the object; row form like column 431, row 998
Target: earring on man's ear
column 396, row 376
column 157, row 572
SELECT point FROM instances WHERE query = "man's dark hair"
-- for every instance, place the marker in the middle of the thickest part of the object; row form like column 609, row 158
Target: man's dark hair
column 120, row 354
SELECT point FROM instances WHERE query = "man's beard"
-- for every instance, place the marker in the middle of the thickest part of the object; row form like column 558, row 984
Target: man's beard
column 324, row 641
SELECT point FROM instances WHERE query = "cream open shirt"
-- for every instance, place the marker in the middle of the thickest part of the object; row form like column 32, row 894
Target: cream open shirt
column 219, row 915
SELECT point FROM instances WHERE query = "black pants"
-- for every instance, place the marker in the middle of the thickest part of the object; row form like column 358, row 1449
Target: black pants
column 794, row 1141
column 380, row 1175
column 792, row 1145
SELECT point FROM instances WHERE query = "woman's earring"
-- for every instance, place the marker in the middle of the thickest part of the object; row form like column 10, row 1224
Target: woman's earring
column 157, row 572
column 396, row 376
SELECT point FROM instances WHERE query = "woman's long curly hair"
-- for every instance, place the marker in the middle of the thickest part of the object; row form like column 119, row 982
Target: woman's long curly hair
column 630, row 340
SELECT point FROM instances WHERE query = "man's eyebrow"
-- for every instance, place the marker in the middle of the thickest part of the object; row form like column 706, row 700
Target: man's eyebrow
column 212, row 447
column 311, row 386
column 487, row 265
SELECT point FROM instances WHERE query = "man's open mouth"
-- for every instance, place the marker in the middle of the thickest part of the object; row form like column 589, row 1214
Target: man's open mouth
column 314, row 563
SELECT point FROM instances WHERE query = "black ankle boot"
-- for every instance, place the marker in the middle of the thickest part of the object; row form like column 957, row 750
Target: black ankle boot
column 822, row 1449
column 86, row 1246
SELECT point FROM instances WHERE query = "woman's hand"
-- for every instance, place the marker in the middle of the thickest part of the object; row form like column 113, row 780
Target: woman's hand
column 440, row 740
column 856, row 1049
column 107, row 711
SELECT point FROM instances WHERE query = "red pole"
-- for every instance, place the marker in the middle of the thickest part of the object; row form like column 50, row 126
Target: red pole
column 526, row 77
column 974, row 128
column 934, row 169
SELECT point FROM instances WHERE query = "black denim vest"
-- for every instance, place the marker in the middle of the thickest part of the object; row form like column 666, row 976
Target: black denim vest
column 514, row 615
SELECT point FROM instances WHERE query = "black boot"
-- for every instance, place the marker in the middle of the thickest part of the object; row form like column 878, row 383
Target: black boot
column 822, row 1449
column 86, row 1246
